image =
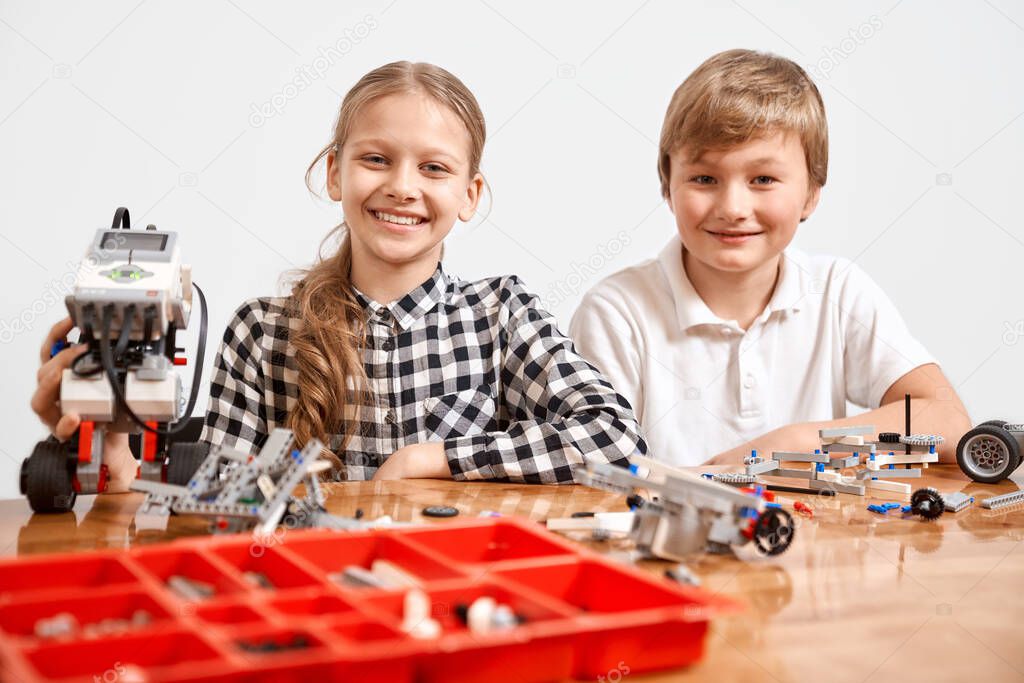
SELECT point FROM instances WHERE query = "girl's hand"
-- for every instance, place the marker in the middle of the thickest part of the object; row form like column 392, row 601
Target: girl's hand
column 121, row 465
column 416, row 461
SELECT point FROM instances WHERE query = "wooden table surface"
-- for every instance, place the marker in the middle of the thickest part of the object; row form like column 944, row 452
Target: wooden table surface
column 858, row 596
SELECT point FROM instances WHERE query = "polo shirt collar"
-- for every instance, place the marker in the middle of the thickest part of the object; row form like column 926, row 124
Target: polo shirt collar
column 414, row 305
column 690, row 307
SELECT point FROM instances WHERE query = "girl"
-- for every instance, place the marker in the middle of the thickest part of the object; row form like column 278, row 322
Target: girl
column 403, row 370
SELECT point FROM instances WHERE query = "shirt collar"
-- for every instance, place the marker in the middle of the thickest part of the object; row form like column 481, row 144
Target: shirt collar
column 690, row 307
column 411, row 307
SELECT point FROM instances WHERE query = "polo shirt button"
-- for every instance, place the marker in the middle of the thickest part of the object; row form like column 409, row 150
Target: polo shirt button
column 388, row 345
column 750, row 382
column 390, row 417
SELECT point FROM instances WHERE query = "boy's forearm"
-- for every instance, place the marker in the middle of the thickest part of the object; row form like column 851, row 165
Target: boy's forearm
column 946, row 418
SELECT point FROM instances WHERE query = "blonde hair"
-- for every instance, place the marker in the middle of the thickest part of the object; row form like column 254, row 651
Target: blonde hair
column 329, row 343
column 737, row 95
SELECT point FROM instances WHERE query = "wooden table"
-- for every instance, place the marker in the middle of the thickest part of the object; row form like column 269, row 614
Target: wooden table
column 858, row 596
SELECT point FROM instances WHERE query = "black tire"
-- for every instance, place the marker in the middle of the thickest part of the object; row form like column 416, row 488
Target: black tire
column 47, row 478
column 183, row 460
column 988, row 454
column 773, row 532
column 994, row 423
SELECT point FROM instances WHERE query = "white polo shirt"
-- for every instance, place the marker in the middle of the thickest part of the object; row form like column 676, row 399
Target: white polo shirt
column 701, row 385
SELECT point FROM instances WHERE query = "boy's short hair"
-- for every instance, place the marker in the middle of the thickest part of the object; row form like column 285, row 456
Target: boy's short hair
column 737, row 95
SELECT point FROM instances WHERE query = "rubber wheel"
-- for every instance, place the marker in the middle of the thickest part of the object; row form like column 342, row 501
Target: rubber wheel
column 183, row 460
column 988, row 454
column 773, row 531
column 994, row 423
column 47, row 478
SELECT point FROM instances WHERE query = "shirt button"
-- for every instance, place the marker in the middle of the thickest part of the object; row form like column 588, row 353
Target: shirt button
column 390, row 417
column 750, row 382
column 388, row 345
column 383, row 314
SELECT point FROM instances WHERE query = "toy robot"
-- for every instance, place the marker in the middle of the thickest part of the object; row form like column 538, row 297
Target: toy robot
column 132, row 295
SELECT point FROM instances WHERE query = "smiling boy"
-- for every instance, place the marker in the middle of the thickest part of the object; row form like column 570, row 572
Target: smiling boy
column 730, row 339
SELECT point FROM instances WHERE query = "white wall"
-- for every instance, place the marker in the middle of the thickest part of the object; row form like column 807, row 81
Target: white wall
column 150, row 104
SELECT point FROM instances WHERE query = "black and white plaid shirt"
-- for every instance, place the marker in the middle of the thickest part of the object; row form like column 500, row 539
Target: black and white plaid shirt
column 477, row 365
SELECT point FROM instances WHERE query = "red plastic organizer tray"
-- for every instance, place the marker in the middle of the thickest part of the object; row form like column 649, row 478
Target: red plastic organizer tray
column 584, row 615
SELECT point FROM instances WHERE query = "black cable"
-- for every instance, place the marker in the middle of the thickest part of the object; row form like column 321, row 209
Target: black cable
column 147, row 328
column 107, row 358
column 86, row 337
column 121, row 219
column 127, row 320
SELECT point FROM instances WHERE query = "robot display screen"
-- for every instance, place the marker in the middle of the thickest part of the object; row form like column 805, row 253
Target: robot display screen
column 125, row 240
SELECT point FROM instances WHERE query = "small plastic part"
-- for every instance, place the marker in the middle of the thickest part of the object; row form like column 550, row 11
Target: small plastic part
column 259, row 580
column 1005, row 500
column 355, row 576
column 927, row 503
column 803, row 507
column 773, row 531
column 391, row 574
column 680, row 573
column 190, row 589
column 59, row 625
column 416, row 619
column 889, row 437
column 440, row 511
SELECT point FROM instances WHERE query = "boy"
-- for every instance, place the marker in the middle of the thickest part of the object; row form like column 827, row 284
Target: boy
column 729, row 340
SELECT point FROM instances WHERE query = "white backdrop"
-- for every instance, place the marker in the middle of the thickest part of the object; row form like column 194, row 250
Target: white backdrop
column 202, row 116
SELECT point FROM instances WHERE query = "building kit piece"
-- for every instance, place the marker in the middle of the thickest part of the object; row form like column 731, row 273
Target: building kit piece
column 794, row 473
column 132, row 295
column 680, row 573
column 897, row 487
column 927, row 503
column 692, row 513
column 888, row 474
column 733, row 478
column 416, row 619
column 840, row 432
column 803, row 508
column 848, row 440
column 355, row 576
column 838, row 486
column 238, row 491
column 1005, row 500
column 848, row 448
column 883, row 508
column 604, row 522
column 190, row 589
column 956, row 501
column 792, row 456
column 991, row 451
column 762, row 467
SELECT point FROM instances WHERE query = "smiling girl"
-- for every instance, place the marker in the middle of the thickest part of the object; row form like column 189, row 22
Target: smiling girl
column 402, row 369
